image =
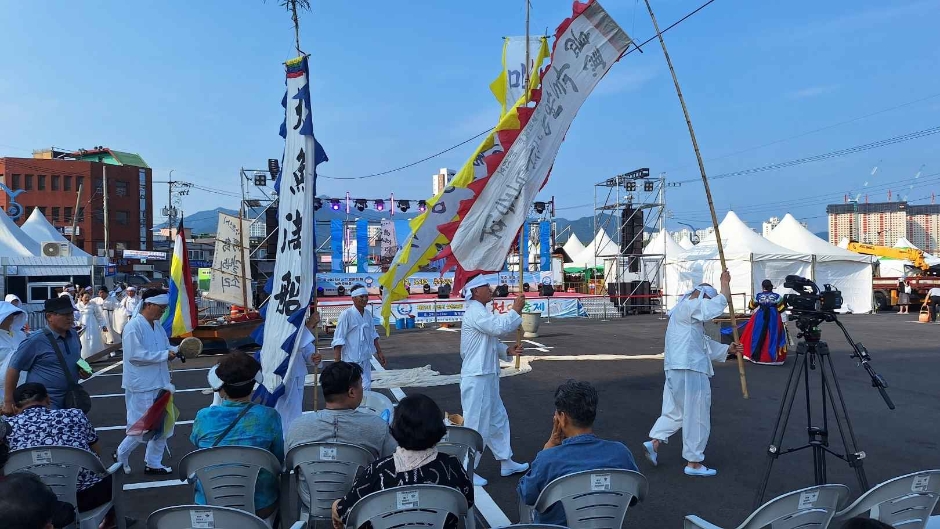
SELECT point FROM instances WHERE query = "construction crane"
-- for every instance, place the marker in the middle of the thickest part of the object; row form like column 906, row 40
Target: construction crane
column 915, row 256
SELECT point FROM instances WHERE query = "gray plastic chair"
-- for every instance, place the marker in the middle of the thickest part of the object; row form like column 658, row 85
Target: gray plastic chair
column 375, row 402
column 591, row 498
column 812, row 507
column 327, row 470
column 534, row 526
column 58, row 467
column 228, row 474
column 465, row 436
column 202, row 516
column 904, row 502
column 413, row 506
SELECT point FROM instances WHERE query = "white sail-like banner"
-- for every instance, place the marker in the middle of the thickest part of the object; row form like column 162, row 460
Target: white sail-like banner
column 231, row 275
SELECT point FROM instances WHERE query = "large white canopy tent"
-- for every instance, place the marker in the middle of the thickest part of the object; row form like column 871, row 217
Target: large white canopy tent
column 847, row 271
column 573, row 246
column 660, row 247
column 750, row 259
column 686, row 242
column 593, row 254
column 13, row 242
column 40, row 230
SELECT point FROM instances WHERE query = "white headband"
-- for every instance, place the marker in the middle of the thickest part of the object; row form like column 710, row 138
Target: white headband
column 11, row 298
column 162, row 299
column 706, row 290
column 361, row 291
column 216, row 383
column 477, row 281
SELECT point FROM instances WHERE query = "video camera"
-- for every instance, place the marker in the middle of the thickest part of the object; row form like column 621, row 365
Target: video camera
column 809, row 298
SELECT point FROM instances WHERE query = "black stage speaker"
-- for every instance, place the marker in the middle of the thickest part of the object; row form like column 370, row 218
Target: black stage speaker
column 443, row 291
column 631, row 235
column 546, row 290
column 643, row 304
column 502, row 291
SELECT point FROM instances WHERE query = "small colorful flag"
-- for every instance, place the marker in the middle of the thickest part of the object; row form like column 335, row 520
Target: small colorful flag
column 180, row 317
column 159, row 421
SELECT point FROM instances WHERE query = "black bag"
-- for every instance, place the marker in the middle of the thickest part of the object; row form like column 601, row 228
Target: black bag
column 75, row 395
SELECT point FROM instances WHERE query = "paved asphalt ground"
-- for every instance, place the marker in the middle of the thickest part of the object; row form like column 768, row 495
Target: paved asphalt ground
column 896, row 442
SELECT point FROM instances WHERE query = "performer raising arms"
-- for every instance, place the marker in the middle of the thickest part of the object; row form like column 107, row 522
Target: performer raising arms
column 147, row 352
column 355, row 339
column 687, row 395
column 765, row 338
column 481, row 350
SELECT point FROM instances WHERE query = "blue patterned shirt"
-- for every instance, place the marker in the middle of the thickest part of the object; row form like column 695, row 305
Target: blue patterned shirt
column 260, row 427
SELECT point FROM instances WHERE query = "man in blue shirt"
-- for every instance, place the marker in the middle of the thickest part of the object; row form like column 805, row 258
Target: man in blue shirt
column 37, row 357
column 572, row 447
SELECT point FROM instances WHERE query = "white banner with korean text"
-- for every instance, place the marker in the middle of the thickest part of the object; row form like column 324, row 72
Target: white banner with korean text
column 583, row 53
column 231, row 275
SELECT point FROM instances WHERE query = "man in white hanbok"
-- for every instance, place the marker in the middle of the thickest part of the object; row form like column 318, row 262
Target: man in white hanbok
column 127, row 308
column 108, row 303
column 92, row 319
column 355, row 339
column 481, row 352
column 290, row 406
column 147, row 352
column 687, row 395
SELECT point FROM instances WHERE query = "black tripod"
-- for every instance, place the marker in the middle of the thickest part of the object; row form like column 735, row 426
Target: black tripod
column 809, row 354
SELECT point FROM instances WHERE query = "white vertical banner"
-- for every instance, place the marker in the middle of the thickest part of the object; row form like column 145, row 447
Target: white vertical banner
column 584, row 52
column 294, row 276
column 514, row 64
column 229, row 264
column 388, row 240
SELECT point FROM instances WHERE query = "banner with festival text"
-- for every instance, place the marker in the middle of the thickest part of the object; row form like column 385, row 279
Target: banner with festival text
column 509, row 87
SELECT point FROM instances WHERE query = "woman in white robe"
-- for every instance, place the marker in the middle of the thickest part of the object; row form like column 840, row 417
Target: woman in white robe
column 94, row 322
column 126, row 309
column 108, row 303
column 12, row 321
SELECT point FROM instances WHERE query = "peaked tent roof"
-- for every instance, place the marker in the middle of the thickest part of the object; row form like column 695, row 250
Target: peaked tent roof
column 685, row 242
column 38, row 228
column 13, row 242
column 662, row 244
column 789, row 233
column 602, row 245
column 573, row 246
column 740, row 242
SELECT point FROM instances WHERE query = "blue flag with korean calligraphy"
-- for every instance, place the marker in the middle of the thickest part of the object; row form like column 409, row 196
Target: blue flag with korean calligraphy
column 362, row 246
column 336, row 245
column 291, row 287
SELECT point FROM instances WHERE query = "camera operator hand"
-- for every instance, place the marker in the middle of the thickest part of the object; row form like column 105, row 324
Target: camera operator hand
column 726, row 283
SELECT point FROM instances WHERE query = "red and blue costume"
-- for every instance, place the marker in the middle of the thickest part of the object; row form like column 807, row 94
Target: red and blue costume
column 765, row 338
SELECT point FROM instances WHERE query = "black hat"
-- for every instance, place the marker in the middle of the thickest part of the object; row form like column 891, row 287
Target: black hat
column 59, row 305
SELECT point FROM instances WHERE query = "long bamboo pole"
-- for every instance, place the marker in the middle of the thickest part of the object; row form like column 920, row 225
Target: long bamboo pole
column 316, row 365
column 708, row 193
column 521, row 236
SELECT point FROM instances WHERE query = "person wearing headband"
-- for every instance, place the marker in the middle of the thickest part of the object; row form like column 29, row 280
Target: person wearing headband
column 236, row 421
column 355, row 339
column 688, row 358
column 130, row 305
column 107, row 303
column 147, row 353
column 481, row 351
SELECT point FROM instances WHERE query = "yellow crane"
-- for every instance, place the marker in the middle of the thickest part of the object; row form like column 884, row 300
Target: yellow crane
column 913, row 255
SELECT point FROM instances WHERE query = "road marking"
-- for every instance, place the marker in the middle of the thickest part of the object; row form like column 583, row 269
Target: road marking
column 99, row 373
column 171, row 371
column 111, row 395
column 538, row 346
column 124, row 427
column 154, row 484
column 482, row 500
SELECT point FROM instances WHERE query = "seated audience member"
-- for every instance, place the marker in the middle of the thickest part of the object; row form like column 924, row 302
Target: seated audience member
column 418, row 426
column 866, row 523
column 341, row 421
column 238, row 422
column 28, row 503
column 37, row 424
column 572, row 447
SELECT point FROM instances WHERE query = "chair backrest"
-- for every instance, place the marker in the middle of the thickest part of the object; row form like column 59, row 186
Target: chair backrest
column 413, row 506
column 465, row 436
column 56, row 466
column 228, row 473
column 203, row 516
column 462, row 452
column 812, row 507
column 375, row 402
column 534, row 526
column 904, row 502
column 594, row 498
column 328, row 470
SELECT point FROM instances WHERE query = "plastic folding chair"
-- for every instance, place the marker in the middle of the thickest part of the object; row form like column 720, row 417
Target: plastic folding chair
column 375, row 403
column 326, row 471
column 202, row 516
column 465, row 436
column 591, row 498
column 408, row 506
column 812, row 507
column 904, row 502
column 228, row 474
column 58, row 467
column 534, row 526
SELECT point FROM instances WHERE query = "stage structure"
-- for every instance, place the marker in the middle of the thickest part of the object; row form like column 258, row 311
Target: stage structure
column 633, row 205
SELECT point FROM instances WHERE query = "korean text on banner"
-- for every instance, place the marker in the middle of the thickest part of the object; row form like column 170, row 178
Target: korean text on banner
column 294, row 279
column 584, row 51
column 336, row 245
column 388, row 242
column 545, row 245
column 362, row 246
column 509, row 87
column 230, row 262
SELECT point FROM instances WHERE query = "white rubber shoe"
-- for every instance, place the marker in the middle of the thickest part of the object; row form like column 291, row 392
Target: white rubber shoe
column 479, row 481
column 510, row 467
column 651, row 454
column 701, row 471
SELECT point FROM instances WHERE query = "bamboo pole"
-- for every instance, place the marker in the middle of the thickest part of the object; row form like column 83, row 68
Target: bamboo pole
column 525, row 71
column 708, row 193
column 316, row 365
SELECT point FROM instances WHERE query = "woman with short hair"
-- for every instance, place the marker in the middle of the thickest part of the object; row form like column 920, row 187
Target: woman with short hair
column 418, row 426
column 234, row 379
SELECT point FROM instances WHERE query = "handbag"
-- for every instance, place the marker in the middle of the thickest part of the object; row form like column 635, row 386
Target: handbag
column 924, row 316
column 75, row 395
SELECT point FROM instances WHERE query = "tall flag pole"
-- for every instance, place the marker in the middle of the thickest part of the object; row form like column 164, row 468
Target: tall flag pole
column 180, row 318
column 708, row 193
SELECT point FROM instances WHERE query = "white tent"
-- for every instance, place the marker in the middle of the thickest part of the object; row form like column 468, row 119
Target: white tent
column 750, row 258
column 40, row 230
column 685, row 242
column 13, row 242
column 593, row 254
column 888, row 267
column 660, row 247
column 573, row 246
column 847, row 271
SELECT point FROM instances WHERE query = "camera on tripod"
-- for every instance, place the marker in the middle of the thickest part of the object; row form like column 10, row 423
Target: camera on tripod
column 809, row 298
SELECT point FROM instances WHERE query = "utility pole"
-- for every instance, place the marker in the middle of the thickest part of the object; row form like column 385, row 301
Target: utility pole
column 104, row 190
column 78, row 201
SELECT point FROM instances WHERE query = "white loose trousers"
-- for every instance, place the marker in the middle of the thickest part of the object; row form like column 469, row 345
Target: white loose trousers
column 687, row 401
column 138, row 402
column 484, row 412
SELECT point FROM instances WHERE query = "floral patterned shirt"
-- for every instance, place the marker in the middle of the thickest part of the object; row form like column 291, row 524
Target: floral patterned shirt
column 40, row 426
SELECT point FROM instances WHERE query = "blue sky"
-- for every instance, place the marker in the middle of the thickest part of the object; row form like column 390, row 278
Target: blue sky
column 196, row 87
